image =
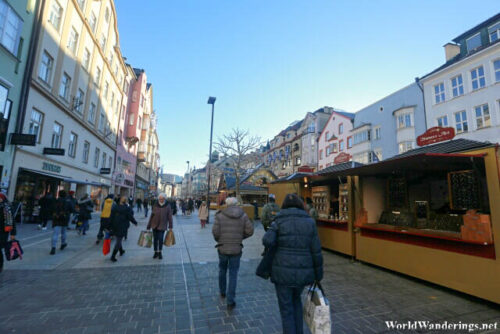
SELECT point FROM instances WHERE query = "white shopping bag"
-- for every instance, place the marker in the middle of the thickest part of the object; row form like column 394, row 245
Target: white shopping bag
column 317, row 310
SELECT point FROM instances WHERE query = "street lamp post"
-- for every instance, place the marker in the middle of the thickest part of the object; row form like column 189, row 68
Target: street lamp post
column 211, row 100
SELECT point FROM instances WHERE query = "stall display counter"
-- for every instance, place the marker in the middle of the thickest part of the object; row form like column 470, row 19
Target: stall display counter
column 341, row 225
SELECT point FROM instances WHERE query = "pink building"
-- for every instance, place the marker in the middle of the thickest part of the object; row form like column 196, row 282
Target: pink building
column 335, row 141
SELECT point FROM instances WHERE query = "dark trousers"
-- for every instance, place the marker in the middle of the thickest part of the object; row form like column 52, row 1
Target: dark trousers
column 158, row 240
column 118, row 244
column 290, row 308
column 1, row 258
column 231, row 262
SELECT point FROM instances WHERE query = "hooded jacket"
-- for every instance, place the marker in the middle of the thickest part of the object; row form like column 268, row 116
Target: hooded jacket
column 121, row 216
column 298, row 260
column 231, row 226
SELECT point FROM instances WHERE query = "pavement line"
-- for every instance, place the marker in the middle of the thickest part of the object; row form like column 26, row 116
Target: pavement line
column 36, row 243
column 186, row 288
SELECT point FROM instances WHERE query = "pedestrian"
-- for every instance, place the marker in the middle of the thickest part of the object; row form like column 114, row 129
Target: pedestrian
column 232, row 225
column 105, row 222
column 297, row 262
column 160, row 220
column 310, row 209
column 73, row 201
column 269, row 211
column 146, row 207
column 131, row 201
column 138, row 202
column 121, row 217
column 85, row 209
column 190, row 207
column 203, row 214
column 60, row 220
column 7, row 226
column 46, row 209
column 183, row 207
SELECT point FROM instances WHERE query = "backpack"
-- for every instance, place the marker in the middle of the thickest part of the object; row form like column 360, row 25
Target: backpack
column 106, row 210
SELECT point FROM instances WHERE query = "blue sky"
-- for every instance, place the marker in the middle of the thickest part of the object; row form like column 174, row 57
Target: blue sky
column 270, row 62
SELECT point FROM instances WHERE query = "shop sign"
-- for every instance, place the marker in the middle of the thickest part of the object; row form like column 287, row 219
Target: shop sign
column 53, row 151
column 22, row 139
column 51, row 167
column 435, row 135
column 105, row 171
column 305, row 169
column 341, row 158
column 129, row 183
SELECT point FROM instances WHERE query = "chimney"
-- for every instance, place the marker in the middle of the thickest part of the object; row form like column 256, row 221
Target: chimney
column 451, row 50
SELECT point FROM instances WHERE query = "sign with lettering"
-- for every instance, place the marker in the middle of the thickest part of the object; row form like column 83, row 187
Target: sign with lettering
column 105, row 170
column 53, row 151
column 305, row 169
column 435, row 135
column 22, row 139
column 51, row 167
column 341, row 158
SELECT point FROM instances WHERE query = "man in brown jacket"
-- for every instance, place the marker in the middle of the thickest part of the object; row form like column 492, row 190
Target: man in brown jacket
column 232, row 225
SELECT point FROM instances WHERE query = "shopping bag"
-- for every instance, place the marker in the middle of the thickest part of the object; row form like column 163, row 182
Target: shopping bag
column 106, row 247
column 316, row 309
column 145, row 239
column 13, row 250
column 169, row 239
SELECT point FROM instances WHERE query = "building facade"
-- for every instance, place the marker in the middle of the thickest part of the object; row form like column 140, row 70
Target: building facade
column 335, row 139
column 311, row 128
column 464, row 93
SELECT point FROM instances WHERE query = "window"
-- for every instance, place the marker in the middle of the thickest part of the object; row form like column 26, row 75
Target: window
column 56, row 135
column 11, row 26
column 103, row 41
column 4, row 108
column 73, row 40
column 142, row 100
column 97, row 152
column 474, row 42
column 35, row 124
column 494, row 32
column 404, row 121
column 103, row 162
column 457, row 85
column 93, row 22
column 405, row 146
column 496, row 65
column 65, row 87
column 297, row 161
column 442, row 121
column 111, row 57
column 321, row 154
column 110, row 162
column 341, row 128
column 349, row 142
column 97, row 75
column 111, row 102
column 86, row 59
column 139, row 122
column 106, row 90
column 86, row 151
column 482, row 116
column 72, row 144
column 378, row 132
column 81, row 3
column 131, row 119
column 477, row 77
column 361, row 137
column 79, row 101
column 461, row 121
column 45, row 70
column 328, row 151
column 55, row 15
column 123, row 112
column 91, row 115
column 106, row 15
column 341, row 145
column 311, row 128
column 439, row 92
column 102, row 122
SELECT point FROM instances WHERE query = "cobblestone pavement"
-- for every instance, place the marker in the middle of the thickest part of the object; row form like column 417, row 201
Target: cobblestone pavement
column 78, row 290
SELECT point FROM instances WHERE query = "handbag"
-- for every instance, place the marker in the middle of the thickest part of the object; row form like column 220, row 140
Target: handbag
column 145, row 239
column 13, row 250
column 169, row 239
column 266, row 263
column 316, row 310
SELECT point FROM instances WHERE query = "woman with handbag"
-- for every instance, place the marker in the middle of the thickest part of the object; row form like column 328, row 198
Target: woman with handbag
column 121, row 217
column 203, row 214
column 7, row 226
column 297, row 260
column 160, row 220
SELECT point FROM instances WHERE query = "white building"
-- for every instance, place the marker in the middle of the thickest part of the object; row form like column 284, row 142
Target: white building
column 464, row 93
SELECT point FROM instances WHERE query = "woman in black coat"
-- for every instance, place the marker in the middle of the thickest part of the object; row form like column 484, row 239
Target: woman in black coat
column 7, row 226
column 121, row 216
column 298, row 260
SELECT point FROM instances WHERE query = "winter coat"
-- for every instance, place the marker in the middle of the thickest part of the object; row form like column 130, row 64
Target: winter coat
column 161, row 215
column 4, row 234
column 46, row 203
column 121, row 216
column 231, row 226
column 203, row 212
column 298, row 260
column 86, row 207
column 62, row 210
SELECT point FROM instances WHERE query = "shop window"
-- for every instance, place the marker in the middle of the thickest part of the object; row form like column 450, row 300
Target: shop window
column 45, row 69
column 86, row 151
column 65, row 86
column 496, row 66
column 439, row 92
column 97, row 153
column 73, row 138
column 442, row 121
column 477, row 77
column 73, row 40
column 35, row 125
column 55, row 15
column 457, row 85
column 482, row 116
column 56, row 135
column 461, row 124
column 11, row 26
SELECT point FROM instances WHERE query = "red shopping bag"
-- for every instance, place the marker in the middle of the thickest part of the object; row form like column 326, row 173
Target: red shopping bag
column 106, row 247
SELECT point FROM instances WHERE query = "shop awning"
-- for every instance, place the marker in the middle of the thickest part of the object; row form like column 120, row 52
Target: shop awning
column 418, row 163
column 55, row 176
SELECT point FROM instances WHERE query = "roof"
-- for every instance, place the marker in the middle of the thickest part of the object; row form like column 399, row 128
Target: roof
column 138, row 71
column 339, row 167
column 481, row 25
column 291, row 177
column 345, row 113
column 253, row 170
column 360, row 126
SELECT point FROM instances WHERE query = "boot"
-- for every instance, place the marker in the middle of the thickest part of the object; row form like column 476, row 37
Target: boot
column 113, row 256
column 156, row 255
column 160, row 256
column 122, row 251
column 52, row 251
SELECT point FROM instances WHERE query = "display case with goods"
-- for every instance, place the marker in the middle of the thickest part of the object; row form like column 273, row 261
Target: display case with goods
column 321, row 201
column 343, row 202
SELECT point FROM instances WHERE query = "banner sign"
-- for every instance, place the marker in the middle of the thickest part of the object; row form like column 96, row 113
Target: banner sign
column 435, row 135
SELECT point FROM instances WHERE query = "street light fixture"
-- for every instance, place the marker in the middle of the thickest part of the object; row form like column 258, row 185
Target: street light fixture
column 211, row 100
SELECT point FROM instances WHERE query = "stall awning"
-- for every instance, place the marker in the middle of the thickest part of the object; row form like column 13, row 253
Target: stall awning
column 418, row 163
column 55, row 176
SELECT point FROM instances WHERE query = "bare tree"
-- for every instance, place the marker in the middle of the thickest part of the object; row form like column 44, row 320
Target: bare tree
column 238, row 145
